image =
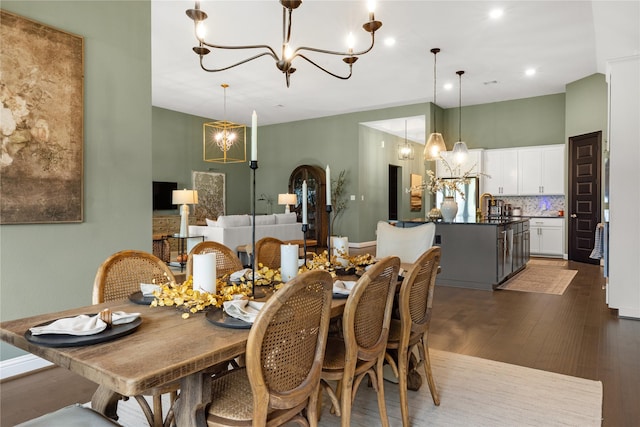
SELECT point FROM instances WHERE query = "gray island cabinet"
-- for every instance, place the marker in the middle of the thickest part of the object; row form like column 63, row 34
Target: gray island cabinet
column 480, row 255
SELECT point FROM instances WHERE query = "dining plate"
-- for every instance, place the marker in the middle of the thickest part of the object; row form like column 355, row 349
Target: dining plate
column 62, row 340
column 220, row 318
column 139, row 298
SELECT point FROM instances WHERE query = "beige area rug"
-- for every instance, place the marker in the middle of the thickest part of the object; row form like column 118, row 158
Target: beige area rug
column 548, row 261
column 546, row 279
column 473, row 392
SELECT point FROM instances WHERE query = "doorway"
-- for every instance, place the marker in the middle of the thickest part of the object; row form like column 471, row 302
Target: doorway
column 395, row 177
column 584, row 194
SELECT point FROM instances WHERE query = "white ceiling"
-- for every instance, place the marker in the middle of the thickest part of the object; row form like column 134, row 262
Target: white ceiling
column 563, row 40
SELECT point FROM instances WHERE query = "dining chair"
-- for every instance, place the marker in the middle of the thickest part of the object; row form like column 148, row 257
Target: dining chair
column 227, row 261
column 415, row 302
column 406, row 243
column 284, row 354
column 361, row 348
column 72, row 415
column 119, row 276
column 268, row 252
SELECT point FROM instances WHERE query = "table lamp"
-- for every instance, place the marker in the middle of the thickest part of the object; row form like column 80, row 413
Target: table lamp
column 185, row 198
column 287, row 199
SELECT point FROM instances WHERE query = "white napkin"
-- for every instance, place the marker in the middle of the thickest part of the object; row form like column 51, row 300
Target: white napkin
column 343, row 287
column 83, row 324
column 243, row 309
column 148, row 289
column 236, row 276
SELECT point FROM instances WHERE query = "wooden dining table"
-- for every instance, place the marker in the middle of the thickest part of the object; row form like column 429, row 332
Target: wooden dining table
column 164, row 348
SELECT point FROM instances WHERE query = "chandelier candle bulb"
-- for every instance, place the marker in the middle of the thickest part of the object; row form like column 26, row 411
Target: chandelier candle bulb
column 204, row 272
column 304, row 202
column 254, row 137
column 288, row 262
column 328, row 176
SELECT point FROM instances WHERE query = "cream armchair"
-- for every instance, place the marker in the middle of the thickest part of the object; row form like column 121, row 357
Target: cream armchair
column 406, row 243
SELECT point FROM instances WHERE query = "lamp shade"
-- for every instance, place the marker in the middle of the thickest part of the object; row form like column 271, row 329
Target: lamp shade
column 184, row 197
column 434, row 146
column 460, row 152
column 287, row 199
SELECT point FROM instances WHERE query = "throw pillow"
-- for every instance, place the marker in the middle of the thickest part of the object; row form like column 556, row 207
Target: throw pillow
column 286, row 218
column 211, row 223
column 264, row 219
column 228, row 221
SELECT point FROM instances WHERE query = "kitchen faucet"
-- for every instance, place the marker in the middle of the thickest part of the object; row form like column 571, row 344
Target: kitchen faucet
column 481, row 209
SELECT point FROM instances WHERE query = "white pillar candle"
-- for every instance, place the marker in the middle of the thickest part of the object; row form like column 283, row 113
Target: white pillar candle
column 328, row 176
column 204, row 272
column 341, row 249
column 254, row 136
column 304, row 202
column 288, row 262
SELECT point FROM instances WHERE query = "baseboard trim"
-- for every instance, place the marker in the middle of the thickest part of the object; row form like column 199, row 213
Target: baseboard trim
column 360, row 245
column 21, row 365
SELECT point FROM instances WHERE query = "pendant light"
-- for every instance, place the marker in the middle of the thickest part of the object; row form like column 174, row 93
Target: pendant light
column 460, row 150
column 405, row 151
column 435, row 143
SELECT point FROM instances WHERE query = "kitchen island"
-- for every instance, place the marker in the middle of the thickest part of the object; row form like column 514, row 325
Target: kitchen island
column 482, row 254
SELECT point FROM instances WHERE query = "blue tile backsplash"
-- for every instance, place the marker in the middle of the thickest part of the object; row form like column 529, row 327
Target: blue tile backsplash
column 536, row 205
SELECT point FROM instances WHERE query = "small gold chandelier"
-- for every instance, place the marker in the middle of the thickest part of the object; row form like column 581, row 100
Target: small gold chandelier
column 224, row 141
column 287, row 52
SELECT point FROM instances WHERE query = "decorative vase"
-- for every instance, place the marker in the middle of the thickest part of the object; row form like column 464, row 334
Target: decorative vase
column 449, row 209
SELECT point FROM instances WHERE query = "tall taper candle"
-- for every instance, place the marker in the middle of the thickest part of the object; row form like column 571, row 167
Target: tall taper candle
column 328, row 175
column 304, row 202
column 254, row 136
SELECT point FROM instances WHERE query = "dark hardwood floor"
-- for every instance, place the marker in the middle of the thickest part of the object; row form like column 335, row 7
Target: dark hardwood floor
column 573, row 334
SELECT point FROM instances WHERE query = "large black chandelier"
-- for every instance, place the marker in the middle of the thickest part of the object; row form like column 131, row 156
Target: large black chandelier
column 287, row 53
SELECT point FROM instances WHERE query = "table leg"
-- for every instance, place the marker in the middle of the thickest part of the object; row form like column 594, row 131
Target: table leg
column 195, row 395
column 105, row 401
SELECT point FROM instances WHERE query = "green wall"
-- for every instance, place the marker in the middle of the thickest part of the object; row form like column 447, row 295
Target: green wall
column 516, row 123
column 50, row 267
column 586, row 106
column 177, row 151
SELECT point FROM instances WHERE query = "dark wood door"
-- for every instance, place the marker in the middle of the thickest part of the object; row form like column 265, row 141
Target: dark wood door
column 316, row 203
column 584, row 195
column 395, row 174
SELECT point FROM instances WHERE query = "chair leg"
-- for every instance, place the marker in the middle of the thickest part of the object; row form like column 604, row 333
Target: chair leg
column 424, row 355
column 382, row 407
column 157, row 410
column 345, row 403
column 403, row 363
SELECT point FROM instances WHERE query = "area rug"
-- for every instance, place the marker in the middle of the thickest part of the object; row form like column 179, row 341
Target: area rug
column 473, row 392
column 548, row 261
column 544, row 279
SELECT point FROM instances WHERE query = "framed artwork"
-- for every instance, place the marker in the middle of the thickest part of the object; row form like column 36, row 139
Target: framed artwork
column 42, row 79
column 415, row 195
column 211, row 195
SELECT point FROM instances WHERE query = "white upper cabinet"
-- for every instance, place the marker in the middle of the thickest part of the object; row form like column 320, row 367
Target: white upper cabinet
column 541, row 170
column 501, row 169
column 472, row 164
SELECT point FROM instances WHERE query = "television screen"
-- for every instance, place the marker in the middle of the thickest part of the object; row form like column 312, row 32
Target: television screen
column 162, row 194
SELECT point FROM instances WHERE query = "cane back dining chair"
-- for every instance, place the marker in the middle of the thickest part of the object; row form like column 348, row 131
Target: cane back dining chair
column 415, row 301
column 268, row 252
column 227, row 261
column 284, row 354
column 119, row 276
column 361, row 349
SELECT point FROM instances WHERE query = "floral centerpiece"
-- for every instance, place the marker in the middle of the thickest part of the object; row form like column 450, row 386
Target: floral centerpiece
column 448, row 186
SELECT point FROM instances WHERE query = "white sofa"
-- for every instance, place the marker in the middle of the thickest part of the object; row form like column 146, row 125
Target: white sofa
column 235, row 230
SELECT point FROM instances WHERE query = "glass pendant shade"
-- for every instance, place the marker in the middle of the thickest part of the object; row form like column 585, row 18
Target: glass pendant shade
column 460, row 152
column 434, row 146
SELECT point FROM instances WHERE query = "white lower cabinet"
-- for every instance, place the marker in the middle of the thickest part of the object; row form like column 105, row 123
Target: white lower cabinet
column 547, row 236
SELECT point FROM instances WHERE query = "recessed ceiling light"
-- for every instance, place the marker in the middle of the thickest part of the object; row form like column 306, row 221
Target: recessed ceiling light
column 448, row 86
column 530, row 71
column 496, row 13
column 389, row 41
